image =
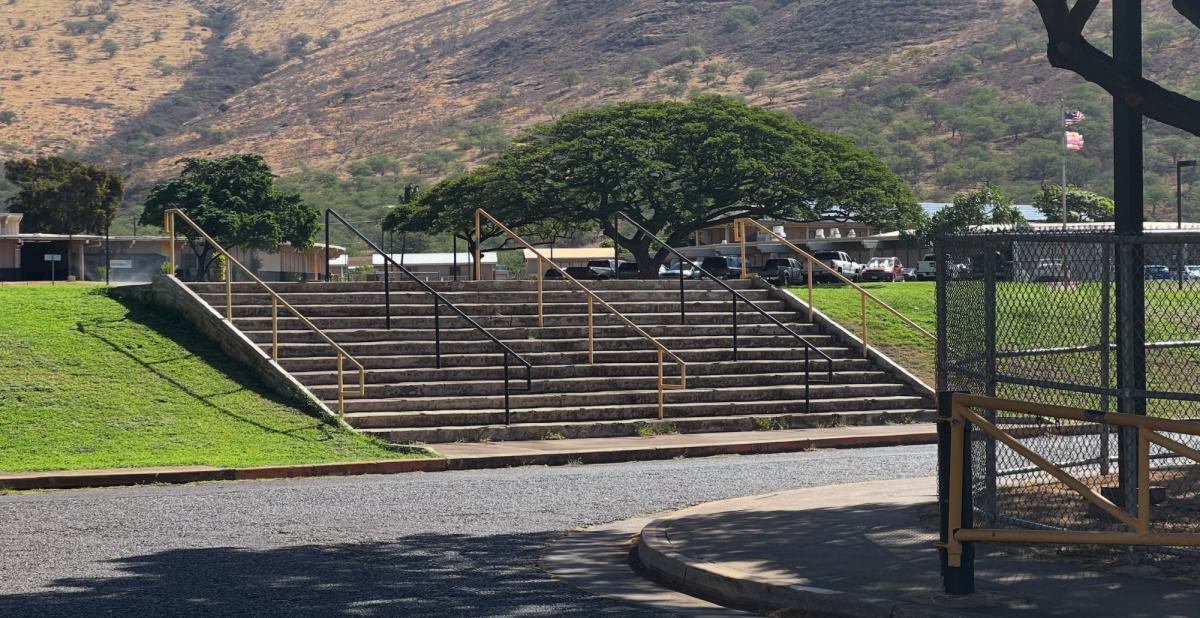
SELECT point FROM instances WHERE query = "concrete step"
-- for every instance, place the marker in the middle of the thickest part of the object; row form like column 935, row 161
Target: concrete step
column 326, row 387
column 476, row 298
column 650, row 425
column 553, row 333
column 486, row 358
column 448, row 320
column 467, row 286
column 365, row 310
column 530, row 346
column 577, row 406
column 599, row 370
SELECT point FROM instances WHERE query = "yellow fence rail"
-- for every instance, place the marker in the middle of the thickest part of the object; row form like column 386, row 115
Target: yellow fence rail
column 276, row 300
column 592, row 298
column 1149, row 431
column 739, row 235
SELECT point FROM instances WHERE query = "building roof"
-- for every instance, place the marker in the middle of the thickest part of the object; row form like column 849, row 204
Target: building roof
column 1030, row 213
column 433, row 259
column 577, row 253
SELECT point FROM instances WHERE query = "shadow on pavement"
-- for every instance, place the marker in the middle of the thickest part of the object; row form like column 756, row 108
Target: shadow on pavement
column 425, row 575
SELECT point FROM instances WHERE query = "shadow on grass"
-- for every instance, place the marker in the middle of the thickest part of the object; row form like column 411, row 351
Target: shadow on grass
column 172, row 327
column 441, row 575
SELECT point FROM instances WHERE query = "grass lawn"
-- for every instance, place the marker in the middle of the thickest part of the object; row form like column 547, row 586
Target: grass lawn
column 914, row 299
column 88, row 382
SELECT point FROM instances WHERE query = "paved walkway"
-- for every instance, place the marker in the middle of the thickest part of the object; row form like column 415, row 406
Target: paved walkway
column 867, row 539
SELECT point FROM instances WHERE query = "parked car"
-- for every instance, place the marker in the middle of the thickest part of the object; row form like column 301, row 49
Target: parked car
column 1191, row 273
column 1048, row 270
column 596, row 270
column 630, row 270
column 1157, row 271
column 910, row 274
column 551, row 274
column 839, row 261
column 927, row 267
column 728, row 267
column 782, row 271
column 689, row 272
column 974, row 269
column 884, row 269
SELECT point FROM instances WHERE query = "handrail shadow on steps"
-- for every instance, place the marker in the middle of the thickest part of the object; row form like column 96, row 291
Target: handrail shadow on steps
column 438, row 300
column 808, row 345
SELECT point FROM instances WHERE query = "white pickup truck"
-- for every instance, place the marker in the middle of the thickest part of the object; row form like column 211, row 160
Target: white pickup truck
column 839, row 261
column 927, row 268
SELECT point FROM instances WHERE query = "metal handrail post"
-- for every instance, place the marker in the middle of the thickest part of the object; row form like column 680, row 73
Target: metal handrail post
column 810, row 289
column 274, row 329
column 592, row 296
column 228, row 291
column 682, row 298
column 387, row 296
column 327, row 246
column 864, row 324
column 735, row 332
column 541, row 275
column 437, row 334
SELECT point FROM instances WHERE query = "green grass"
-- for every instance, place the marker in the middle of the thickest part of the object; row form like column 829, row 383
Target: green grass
column 915, row 300
column 89, row 382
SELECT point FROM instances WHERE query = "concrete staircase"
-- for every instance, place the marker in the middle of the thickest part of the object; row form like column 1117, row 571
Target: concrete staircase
column 408, row 400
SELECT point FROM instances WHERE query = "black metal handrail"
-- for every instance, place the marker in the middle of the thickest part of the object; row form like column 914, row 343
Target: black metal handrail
column 808, row 345
column 438, row 299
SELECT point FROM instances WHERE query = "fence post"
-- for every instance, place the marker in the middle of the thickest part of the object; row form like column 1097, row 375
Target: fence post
column 939, row 250
column 989, row 327
column 1106, row 273
column 960, row 579
column 1131, row 362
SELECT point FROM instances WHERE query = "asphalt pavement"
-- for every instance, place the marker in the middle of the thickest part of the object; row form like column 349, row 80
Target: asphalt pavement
column 449, row 544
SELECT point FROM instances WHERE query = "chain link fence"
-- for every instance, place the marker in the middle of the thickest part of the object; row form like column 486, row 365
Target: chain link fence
column 1085, row 319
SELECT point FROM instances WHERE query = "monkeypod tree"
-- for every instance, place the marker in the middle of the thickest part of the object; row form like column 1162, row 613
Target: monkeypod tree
column 1081, row 205
column 61, row 196
column 675, row 168
column 234, row 201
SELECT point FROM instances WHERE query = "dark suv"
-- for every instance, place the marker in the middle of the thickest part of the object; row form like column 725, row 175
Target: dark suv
column 727, row 267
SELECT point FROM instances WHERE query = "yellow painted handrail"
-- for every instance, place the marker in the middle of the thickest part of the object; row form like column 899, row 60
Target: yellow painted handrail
column 739, row 235
column 662, row 350
column 1148, row 429
column 276, row 300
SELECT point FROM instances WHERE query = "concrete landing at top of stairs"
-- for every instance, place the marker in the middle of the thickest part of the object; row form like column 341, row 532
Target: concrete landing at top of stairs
column 476, row 455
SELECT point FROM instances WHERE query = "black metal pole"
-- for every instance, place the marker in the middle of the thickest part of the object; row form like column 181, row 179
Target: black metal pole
column 437, row 331
column 455, row 275
column 1131, row 288
column 327, row 246
column 387, row 294
column 807, row 382
column 960, row 579
column 107, row 255
column 735, row 329
column 682, row 299
column 507, row 409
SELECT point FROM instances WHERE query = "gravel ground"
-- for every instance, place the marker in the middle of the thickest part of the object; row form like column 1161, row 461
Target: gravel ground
column 453, row 544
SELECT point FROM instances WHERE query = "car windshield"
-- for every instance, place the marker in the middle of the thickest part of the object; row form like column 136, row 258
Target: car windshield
column 713, row 262
column 629, row 266
column 878, row 263
column 775, row 263
column 929, row 258
column 827, row 255
column 1156, row 268
column 1193, row 268
column 599, row 264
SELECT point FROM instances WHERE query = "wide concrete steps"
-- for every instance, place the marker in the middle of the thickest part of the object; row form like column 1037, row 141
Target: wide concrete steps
column 611, row 392
column 741, row 419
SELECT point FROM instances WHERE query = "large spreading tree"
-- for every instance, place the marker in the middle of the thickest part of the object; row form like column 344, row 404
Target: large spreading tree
column 675, row 168
column 61, row 196
column 234, row 201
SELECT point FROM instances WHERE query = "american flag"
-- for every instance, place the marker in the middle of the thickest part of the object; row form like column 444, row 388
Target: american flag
column 1074, row 141
column 1070, row 118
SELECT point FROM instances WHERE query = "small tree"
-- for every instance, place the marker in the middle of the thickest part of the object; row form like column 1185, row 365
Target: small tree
column 740, row 19
column 755, row 80
column 692, row 54
column 571, row 78
column 234, row 201
column 554, row 110
column 68, row 50
column 1157, row 39
column 680, row 75
column 726, row 69
column 490, row 104
column 110, row 47
column 8, row 117
column 645, row 66
column 708, row 77
column 771, row 94
column 622, row 83
column 1081, row 205
column 156, row 34
column 298, row 45
column 61, row 196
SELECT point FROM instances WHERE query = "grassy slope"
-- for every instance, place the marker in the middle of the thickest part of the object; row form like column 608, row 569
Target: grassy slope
column 884, row 331
column 87, row 382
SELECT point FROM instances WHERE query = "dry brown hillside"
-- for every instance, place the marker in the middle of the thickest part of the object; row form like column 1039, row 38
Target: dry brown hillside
column 61, row 101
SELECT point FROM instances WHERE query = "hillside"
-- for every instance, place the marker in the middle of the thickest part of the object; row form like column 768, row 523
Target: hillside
column 951, row 94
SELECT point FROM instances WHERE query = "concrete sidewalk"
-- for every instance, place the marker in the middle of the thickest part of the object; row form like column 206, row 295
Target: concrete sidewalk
column 861, row 550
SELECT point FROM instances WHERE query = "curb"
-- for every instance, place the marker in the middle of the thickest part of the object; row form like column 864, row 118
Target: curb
column 79, row 479
column 652, row 453
column 731, row 588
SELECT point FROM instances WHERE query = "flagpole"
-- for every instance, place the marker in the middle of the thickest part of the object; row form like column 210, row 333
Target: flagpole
column 1064, row 166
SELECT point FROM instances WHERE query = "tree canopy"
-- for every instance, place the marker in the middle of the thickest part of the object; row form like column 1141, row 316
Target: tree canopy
column 675, row 168
column 61, row 196
column 234, row 201
column 986, row 206
column 1081, row 205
